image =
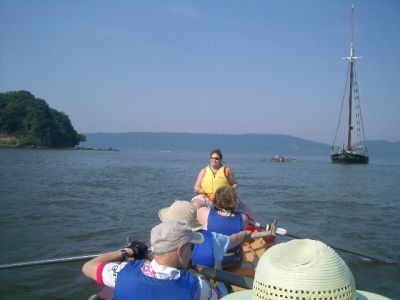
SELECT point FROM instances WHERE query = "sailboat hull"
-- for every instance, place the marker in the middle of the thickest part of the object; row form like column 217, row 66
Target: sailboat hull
column 349, row 158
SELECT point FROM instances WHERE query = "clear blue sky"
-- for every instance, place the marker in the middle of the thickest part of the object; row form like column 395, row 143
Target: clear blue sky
column 204, row 66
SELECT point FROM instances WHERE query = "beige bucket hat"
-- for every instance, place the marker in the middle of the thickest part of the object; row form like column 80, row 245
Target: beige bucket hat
column 183, row 211
column 303, row 269
column 169, row 235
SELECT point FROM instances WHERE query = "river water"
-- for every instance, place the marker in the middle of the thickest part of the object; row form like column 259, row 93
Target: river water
column 59, row 203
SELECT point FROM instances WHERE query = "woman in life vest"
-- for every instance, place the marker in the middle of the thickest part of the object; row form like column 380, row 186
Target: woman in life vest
column 224, row 218
column 212, row 177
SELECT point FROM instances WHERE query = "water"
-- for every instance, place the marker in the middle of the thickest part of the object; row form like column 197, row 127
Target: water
column 57, row 204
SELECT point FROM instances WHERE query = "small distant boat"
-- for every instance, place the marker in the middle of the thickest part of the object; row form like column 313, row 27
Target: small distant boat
column 278, row 158
column 281, row 159
column 353, row 148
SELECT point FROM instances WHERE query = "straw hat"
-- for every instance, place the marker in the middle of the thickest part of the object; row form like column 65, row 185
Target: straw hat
column 302, row 269
column 182, row 211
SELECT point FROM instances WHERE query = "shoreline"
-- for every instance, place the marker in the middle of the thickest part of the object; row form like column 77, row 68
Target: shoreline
column 18, row 146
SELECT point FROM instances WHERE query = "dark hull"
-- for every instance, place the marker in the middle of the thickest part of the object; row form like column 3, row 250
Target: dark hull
column 348, row 158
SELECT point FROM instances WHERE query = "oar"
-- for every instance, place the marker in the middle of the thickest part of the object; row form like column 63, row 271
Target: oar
column 284, row 232
column 226, row 277
column 253, row 235
column 48, row 261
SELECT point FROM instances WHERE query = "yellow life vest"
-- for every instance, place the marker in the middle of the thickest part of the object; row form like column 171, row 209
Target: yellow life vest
column 210, row 182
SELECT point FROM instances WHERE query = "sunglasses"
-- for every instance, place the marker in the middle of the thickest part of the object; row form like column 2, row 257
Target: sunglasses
column 215, row 158
column 191, row 245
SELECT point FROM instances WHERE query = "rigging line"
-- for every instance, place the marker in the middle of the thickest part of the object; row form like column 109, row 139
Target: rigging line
column 341, row 107
column 359, row 103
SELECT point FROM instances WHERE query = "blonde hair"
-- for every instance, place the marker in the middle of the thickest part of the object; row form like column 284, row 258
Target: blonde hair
column 226, row 199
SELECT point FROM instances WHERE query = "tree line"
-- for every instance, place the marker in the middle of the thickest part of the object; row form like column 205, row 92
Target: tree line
column 31, row 122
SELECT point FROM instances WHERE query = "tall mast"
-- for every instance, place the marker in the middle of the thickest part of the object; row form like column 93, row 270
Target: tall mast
column 351, row 60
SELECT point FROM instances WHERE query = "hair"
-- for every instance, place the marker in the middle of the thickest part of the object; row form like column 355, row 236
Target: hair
column 216, row 151
column 226, row 199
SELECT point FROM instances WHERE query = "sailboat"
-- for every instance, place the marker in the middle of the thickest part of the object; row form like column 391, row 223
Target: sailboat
column 349, row 145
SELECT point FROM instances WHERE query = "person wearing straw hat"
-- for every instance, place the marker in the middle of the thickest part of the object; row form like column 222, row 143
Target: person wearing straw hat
column 303, row 269
column 164, row 277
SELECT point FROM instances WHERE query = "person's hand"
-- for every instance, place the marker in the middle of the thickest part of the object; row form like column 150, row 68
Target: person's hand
column 198, row 191
column 272, row 227
column 139, row 249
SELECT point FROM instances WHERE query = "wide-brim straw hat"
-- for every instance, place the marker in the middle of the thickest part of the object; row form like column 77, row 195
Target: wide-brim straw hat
column 183, row 211
column 303, row 269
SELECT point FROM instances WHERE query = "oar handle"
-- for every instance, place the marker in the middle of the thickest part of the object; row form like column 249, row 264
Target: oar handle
column 256, row 235
column 280, row 231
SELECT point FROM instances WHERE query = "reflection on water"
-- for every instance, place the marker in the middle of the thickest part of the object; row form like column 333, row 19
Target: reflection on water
column 59, row 203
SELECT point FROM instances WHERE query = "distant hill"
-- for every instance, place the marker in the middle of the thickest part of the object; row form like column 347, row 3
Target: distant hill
column 384, row 149
column 256, row 143
column 250, row 143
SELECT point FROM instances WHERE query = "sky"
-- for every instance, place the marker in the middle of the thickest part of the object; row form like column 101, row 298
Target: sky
column 206, row 66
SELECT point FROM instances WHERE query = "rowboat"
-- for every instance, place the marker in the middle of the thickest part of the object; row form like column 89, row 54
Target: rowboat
column 278, row 158
column 239, row 277
column 281, row 159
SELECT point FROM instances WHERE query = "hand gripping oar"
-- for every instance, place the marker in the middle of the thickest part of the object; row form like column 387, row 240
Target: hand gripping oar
column 284, row 232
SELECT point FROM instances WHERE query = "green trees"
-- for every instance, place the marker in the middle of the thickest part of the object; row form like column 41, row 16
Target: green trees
column 33, row 123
